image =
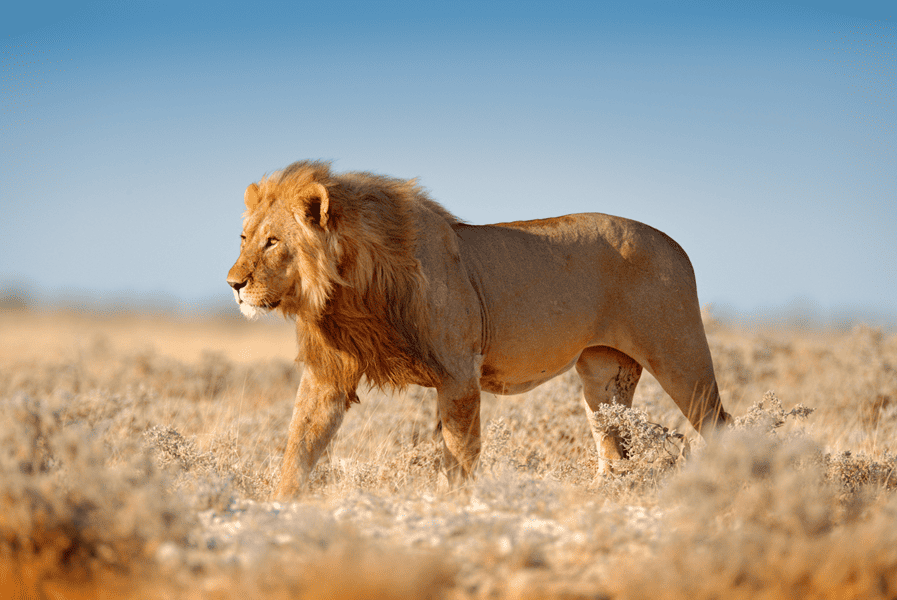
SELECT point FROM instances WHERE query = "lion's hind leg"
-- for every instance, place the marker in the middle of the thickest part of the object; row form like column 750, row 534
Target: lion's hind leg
column 607, row 376
column 694, row 389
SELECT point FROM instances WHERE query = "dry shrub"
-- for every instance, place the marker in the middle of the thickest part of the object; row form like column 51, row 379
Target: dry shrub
column 130, row 474
column 655, row 452
column 862, row 473
column 69, row 513
column 502, row 451
column 855, row 473
column 768, row 415
column 652, row 449
column 758, row 515
column 410, row 467
column 300, row 550
column 359, row 571
column 208, row 479
column 351, row 570
column 98, row 369
column 749, row 519
column 345, row 572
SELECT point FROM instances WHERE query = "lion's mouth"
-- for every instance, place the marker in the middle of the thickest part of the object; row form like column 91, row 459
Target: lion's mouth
column 253, row 310
column 266, row 304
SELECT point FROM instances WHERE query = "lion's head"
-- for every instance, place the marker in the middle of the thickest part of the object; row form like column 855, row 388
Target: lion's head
column 338, row 253
column 289, row 251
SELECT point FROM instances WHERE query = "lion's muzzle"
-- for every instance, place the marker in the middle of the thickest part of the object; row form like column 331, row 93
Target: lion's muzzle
column 237, row 285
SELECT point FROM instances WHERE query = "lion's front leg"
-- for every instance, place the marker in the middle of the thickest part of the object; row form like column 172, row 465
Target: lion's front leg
column 459, row 412
column 317, row 415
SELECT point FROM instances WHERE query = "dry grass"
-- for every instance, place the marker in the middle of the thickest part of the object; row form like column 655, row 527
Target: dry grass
column 137, row 455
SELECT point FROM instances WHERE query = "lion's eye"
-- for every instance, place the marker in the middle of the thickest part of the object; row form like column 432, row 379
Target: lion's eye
column 271, row 243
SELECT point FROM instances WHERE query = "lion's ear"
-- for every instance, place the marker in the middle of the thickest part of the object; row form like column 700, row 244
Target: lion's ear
column 317, row 207
column 251, row 197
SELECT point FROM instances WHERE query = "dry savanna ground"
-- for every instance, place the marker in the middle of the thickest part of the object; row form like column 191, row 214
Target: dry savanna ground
column 137, row 454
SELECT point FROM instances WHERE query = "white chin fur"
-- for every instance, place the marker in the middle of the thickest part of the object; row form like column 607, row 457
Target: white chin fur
column 249, row 311
column 252, row 312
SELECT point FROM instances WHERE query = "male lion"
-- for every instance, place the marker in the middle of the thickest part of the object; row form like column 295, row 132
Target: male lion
column 385, row 283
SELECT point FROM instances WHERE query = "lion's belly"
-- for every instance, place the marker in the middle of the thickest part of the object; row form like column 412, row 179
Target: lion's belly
column 527, row 350
column 516, row 377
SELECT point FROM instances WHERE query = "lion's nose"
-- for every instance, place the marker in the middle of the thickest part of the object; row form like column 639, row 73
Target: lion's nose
column 237, row 285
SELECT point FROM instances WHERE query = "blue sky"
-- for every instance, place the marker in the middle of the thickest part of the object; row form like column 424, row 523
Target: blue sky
column 760, row 135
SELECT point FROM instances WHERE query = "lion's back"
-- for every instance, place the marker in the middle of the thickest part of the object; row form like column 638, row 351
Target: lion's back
column 563, row 242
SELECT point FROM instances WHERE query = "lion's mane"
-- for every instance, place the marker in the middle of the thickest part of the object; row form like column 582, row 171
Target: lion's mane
column 359, row 294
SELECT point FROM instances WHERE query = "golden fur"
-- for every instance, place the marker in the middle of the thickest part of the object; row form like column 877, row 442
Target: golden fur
column 357, row 297
column 387, row 284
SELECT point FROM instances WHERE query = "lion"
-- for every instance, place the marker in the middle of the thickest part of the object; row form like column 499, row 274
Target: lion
column 386, row 284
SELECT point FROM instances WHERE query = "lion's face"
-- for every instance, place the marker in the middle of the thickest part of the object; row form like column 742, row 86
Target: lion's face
column 288, row 255
column 261, row 276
